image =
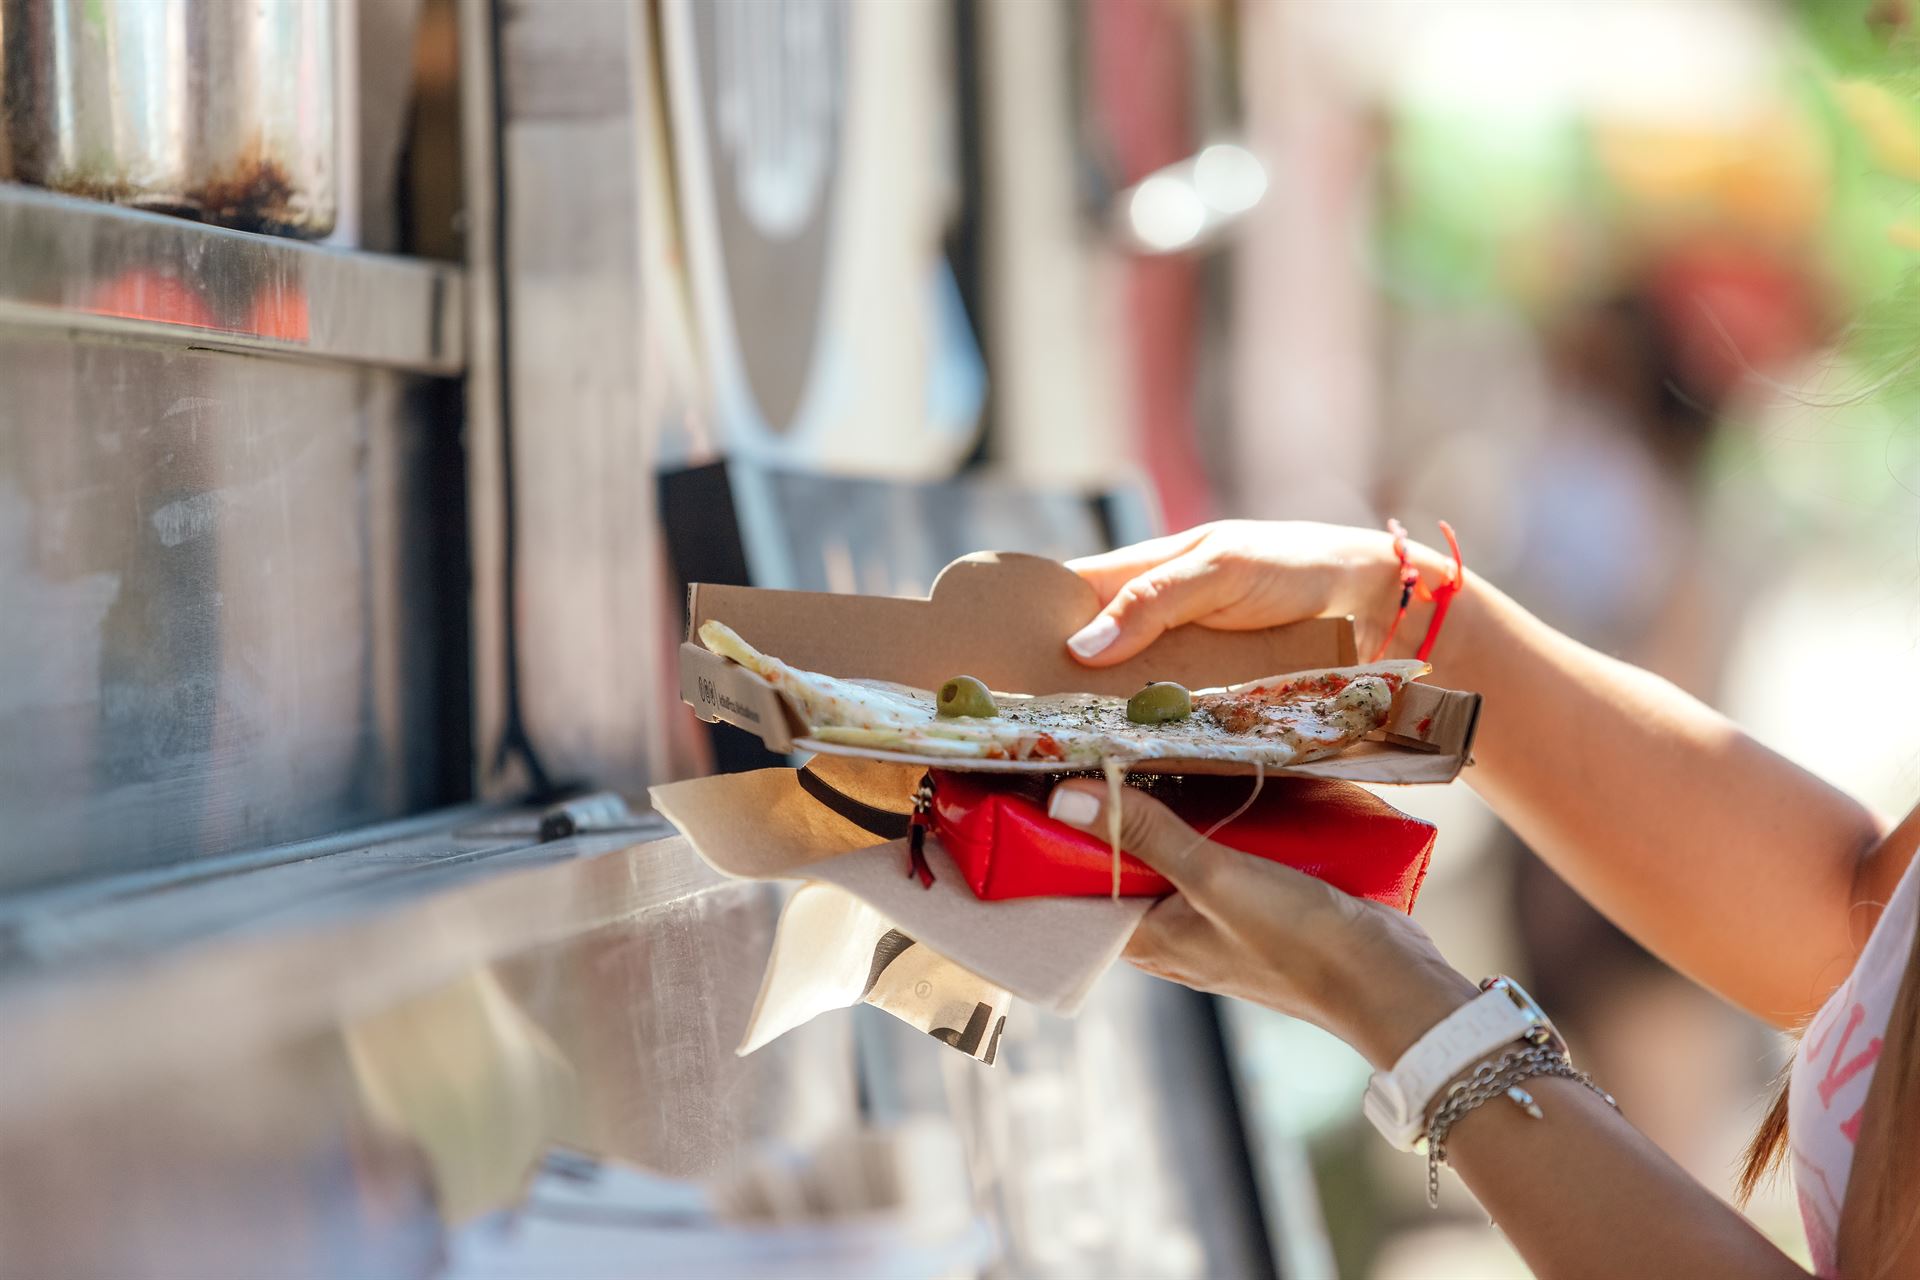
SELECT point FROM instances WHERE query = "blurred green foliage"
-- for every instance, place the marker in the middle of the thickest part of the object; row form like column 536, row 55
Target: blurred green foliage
column 1515, row 210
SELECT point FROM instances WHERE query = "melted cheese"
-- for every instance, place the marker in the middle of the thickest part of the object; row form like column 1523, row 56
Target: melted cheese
column 1268, row 723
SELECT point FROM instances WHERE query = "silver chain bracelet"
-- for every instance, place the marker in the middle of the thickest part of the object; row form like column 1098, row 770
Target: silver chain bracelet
column 1492, row 1079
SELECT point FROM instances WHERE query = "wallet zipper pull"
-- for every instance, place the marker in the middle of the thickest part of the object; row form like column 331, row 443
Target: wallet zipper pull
column 917, row 827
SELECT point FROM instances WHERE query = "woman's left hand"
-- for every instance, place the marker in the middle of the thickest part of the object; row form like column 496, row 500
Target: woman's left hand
column 1247, row 927
column 1577, row 1191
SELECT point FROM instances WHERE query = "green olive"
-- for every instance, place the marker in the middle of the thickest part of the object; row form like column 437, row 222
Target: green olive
column 965, row 696
column 1160, row 702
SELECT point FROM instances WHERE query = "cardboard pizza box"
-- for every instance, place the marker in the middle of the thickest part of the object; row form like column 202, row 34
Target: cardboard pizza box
column 1005, row 618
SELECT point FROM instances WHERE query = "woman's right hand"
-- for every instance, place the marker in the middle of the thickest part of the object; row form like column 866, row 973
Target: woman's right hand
column 1242, row 575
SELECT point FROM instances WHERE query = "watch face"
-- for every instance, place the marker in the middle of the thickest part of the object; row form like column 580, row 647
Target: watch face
column 1524, row 1002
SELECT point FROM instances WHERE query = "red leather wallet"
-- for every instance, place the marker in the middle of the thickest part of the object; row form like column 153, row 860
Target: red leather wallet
column 998, row 832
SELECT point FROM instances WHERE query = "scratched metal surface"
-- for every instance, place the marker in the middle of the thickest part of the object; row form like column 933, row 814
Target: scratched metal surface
column 231, row 602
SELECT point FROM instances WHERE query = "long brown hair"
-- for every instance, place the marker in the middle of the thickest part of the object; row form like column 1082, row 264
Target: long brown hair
column 1882, row 1206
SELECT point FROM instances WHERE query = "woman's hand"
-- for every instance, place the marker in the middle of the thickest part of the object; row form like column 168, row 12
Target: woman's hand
column 1242, row 575
column 1247, row 927
column 1739, row 868
column 1243, row 926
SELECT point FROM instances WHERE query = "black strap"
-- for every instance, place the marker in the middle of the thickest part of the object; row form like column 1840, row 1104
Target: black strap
column 884, row 823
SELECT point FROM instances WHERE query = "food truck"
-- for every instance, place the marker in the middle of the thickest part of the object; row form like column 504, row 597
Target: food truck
column 376, row 376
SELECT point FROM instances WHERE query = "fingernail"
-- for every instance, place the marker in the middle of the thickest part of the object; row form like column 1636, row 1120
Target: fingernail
column 1095, row 636
column 1075, row 808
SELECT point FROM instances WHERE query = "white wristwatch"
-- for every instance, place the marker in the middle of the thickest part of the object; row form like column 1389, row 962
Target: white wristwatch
column 1502, row 1014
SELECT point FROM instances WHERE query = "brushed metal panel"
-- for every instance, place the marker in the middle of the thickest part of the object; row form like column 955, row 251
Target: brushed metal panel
column 263, row 1167
column 566, row 59
column 1103, row 1145
column 653, row 1008
column 231, row 603
column 327, row 1101
column 573, row 618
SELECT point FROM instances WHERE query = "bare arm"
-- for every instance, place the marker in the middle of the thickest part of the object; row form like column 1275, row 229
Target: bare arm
column 1737, row 866
column 1582, row 1193
column 1733, row 864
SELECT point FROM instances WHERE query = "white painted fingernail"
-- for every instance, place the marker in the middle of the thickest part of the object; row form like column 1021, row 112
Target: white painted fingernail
column 1075, row 808
column 1095, row 636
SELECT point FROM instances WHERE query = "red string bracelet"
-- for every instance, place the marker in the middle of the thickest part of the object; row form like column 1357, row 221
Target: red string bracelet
column 1412, row 588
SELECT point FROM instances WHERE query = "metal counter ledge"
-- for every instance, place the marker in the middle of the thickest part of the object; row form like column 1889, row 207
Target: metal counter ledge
column 318, row 1066
column 79, row 265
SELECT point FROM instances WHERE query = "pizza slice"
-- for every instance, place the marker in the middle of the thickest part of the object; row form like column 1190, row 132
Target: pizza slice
column 1270, row 723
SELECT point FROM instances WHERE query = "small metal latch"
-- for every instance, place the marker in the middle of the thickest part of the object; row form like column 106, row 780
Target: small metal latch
column 600, row 811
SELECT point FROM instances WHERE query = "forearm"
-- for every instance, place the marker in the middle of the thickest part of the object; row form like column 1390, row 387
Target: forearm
column 1581, row 1192
column 1578, row 1191
column 1731, row 862
column 1740, row 868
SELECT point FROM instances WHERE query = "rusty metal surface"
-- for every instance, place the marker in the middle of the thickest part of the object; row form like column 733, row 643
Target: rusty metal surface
column 208, row 109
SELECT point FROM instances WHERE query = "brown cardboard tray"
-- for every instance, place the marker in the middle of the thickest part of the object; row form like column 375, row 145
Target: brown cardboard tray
column 1005, row 618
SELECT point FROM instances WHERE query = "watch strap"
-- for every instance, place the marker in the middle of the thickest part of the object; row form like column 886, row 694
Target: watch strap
column 1397, row 1100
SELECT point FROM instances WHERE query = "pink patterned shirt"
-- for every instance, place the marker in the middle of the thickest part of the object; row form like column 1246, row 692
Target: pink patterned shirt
column 1834, row 1065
